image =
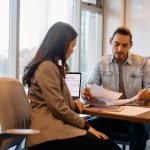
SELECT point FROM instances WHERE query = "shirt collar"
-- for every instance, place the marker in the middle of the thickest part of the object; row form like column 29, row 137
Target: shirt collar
column 129, row 60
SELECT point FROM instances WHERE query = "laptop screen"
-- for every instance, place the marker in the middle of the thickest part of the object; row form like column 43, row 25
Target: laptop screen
column 73, row 81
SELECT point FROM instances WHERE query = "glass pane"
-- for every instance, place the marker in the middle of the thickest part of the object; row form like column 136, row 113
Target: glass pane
column 90, row 42
column 89, row 1
column 4, row 38
column 36, row 17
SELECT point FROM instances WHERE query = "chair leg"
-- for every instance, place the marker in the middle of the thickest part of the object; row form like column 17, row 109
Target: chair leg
column 123, row 147
column 21, row 146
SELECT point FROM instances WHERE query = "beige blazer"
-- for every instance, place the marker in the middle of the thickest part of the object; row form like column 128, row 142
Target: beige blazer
column 52, row 107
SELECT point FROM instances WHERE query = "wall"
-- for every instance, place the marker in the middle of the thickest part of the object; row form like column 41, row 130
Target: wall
column 113, row 17
column 138, row 19
column 133, row 13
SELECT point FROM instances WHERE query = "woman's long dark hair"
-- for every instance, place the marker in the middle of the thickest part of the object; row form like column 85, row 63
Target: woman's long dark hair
column 54, row 47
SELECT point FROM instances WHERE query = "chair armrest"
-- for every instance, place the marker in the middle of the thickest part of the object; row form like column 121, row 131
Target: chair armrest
column 19, row 132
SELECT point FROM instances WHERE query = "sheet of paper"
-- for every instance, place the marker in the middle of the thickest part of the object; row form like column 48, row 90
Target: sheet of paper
column 120, row 101
column 107, row 97
column 99, row 92
column 113, row 102
column 131, row 111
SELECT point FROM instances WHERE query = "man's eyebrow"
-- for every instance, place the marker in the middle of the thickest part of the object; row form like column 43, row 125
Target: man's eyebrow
column 125, row 43
column 121, row 43
column 116, row 42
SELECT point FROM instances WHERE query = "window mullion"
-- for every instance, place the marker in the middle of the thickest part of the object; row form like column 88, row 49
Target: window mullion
column 14, row 38
column 74, row 61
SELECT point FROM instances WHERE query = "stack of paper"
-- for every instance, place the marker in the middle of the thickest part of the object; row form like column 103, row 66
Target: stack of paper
column 107, row 97
column 99, row 92
column 104, row 107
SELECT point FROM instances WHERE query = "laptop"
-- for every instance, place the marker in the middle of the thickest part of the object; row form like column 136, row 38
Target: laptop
column 73, row 81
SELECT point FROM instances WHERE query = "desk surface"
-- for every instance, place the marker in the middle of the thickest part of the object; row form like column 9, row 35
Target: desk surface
column 143, row 115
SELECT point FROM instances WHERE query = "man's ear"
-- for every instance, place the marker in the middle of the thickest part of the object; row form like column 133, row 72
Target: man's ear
column 110, row 40
column 131, row 43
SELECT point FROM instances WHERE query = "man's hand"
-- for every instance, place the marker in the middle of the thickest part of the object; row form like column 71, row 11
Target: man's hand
column 87, row 93
column 143, row 95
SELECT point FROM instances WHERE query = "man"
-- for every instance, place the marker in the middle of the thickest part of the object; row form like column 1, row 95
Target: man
column 129, row 74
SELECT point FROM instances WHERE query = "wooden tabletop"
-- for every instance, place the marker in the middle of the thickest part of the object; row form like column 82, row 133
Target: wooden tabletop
column 129, row 113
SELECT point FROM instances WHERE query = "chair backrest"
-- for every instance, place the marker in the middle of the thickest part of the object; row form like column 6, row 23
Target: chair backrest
column 14, row 110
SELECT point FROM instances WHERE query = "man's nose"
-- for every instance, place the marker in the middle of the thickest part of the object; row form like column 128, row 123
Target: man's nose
column 120, row 48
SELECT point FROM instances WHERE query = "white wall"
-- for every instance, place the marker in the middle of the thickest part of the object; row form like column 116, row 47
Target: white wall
column 113, row 17
column 138, row 20
column 133, row 13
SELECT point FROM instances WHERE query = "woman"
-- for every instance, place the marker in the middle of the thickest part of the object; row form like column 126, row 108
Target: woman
column 53, row 109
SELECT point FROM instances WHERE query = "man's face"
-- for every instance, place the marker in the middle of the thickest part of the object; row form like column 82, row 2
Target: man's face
column 120, row 46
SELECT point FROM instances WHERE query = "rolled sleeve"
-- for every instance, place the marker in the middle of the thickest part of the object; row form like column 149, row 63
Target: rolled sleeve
column 95, row 76
column 146, row 74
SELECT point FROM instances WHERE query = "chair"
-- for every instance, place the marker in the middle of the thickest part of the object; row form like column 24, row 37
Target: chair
column 14, row 114
column 121, row 139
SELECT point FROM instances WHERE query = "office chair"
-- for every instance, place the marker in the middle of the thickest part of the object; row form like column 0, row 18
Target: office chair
column 121, row 138
column 14, row 114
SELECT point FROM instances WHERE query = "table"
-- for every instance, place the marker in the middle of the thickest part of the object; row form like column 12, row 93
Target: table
column 128, row 113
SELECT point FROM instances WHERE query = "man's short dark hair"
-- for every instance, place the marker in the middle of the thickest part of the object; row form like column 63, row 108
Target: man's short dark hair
column 124, row 30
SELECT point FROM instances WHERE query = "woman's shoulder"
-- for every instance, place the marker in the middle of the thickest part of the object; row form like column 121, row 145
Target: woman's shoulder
column 47, row 63
column 48, row 66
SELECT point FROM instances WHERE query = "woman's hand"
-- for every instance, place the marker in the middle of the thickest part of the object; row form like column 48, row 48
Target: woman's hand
column 143, row 95
column 79, row 106
column 98, row 134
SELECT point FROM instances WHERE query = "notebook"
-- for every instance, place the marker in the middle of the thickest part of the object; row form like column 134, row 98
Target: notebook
column 73, row 81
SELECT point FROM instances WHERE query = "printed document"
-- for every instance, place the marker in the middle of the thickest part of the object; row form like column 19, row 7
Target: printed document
column 131, row 111
column 99, row 92
column 107, row 97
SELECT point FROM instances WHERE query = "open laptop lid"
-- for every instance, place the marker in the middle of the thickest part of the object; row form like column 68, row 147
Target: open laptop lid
column 73, row 81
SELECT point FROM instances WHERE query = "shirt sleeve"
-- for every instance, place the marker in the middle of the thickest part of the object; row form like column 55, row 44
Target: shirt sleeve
column 146, row 74
column 95, row 76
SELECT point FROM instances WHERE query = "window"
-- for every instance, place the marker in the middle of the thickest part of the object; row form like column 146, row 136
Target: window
column 91, row 35
column 4, row 39
column 24, row 24
column 89, row 1
column 35, row 20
